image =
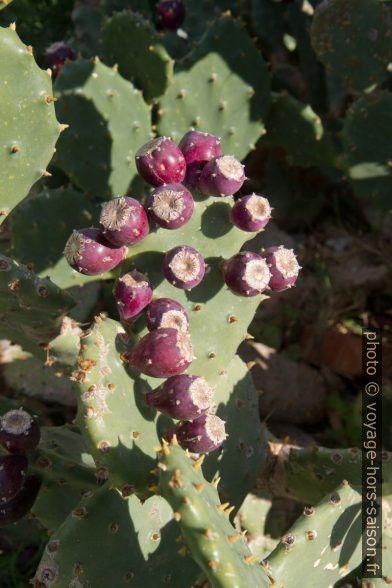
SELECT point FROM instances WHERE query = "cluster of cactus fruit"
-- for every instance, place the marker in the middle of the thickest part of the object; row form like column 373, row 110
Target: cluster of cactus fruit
column 166, row 351
column 167, row 437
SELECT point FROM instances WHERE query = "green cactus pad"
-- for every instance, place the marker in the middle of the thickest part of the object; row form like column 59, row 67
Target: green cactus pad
column 111, row 540
column 252, row 517
column 67, row 471
column 212, row 540
column 129, row 41
column 119, row 429
column 215, row 313
column 367, row 159
column 352, row 38
column 108, row 122
column 40, row 227
column 32, row 309
column 28, row 125
column 221, row 87
column 323, row 546
column 296, row 128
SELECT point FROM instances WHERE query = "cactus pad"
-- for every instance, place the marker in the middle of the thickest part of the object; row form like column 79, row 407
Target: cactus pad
column 213, row 542
column 28, row 124
column 130, row 41
column 367, row 159
column 219, row 88
column 138, row 541
column 352, row 38
column 109, row 121
column 32, row 308
column 327, row 537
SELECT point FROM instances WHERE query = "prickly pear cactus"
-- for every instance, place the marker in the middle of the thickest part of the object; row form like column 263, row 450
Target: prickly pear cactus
column 28, row 128
column 108, row 120
column 208, row 534
column 219, row 88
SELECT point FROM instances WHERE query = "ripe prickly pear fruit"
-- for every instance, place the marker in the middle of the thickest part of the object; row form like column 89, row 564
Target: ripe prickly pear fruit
column 204, row 434
column 182, row 397
column 19, row 431
column 246, row 273
column 12, row 474
column 171, row 206
column 184, row 267
column 222, row 176
column 57, row 54
column 162, row 353
column 160, row 162
column 132, row 293
column 88, row 252
column 171, row 14
column 198, row 149
column 283, row 266
column 251, row 212
column 19, row 506
column 166, row 313
column 124, row 221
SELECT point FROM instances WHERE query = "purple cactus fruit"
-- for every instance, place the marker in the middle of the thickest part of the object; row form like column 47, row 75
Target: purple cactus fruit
column 19, row 506
column 57, row 54
column 132, row 293
column 246, row 273
column 19, row 431
column 171, row 206
column 184, row 267
column 162, row 353
column 12, row 474
column 283, row 266
column 182, row 397
column 198, row 149
column 124, row 221
column 171, row 14
column 166, row 313
column 251, row 213
column 222, row 176
column 88, row 252
column 160, row 162
column 204, row 434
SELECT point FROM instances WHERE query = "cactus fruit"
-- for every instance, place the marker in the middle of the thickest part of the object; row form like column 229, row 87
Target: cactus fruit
column 246, row 274
column 16, row 508
column 170, row 14
column 171, row 206
column 57, row 54
column 166, row 313
column 132, row 293
column 12, row 473
column 19, row 431
column 182, row 397
column 124, row 221
column 160, row 162
column 204, row 434
column 88, row 252
column 251, row 212
column 222, row 176
column 162, row 353
column 184, row 267
column 283, row 266
column 198, row 149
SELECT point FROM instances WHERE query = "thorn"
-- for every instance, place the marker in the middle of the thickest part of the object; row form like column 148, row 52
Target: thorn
column 232, row 538
column 223, row 506
column 165, row 448
column 46, row 174
column 228, row 511
column 49, row 72
column 208, row 534
column 198, row 463
column 50, row 99
column 250, row 559
column 162, row 466
column 177, row 516
column 115, row 68
column 62, row 127
column 96, row 59
column 212, row 564
column 13, row 26
column 29, row 49
column 216, row 482
column 199, row 487
column 184, row 551
column 174, row 440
